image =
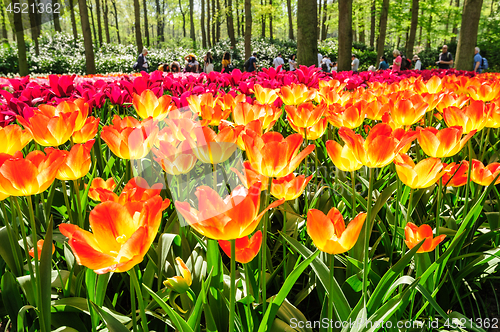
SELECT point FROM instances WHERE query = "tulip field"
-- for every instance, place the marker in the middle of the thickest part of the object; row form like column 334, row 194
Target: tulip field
column 271, row 201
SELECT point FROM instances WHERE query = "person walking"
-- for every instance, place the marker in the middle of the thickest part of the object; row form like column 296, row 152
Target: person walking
column 251, row 64
column 142, row 61
column 383, row 65
column 354, row 63
column 445, row 59
column 418, row 63
column 208, row 66
column 396, row 64
column 226, row 62
column 477, row 61
column 326, row 64
column 320, row 58
column 278, row 61
column 292, row 62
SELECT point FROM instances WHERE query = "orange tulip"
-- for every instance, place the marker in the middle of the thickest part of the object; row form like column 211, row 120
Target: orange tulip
column 13, row 139
column 251, row 176
column 31, row 175
column 342, row 157
column 78, row 106
column 177, row 283
column 264, row 95
column 455, row 174
column 255, row 125
column 296, row 94
column 380, row 147
column 409, row 111
column 39, row 246
column 434, row 85
column 485, row 92
column 350, row 117
column 314, row 132
column 471, row 117
column 329, row 95
column 414, row 235
column 175, row 160
column 329, row 233
column 148, row 105
column 289, row 187
column 246, row 249
column 196, row 101
column 493, row 109
column 484, row 175
column 230, row 218
column 375, row 110
column 48, row 129
column 451, row 99
column 129, row 138
column 442, row 143
column 244, row 113
column 399, row 134
column 88, row 131
column 212, row 148
column 422, row 175
column 212, row 116
column 272, row 155
column 136, row 190
column 121, row 236
column 305, row 115
column 175, row 126
column 98, row 183
column 76, row 163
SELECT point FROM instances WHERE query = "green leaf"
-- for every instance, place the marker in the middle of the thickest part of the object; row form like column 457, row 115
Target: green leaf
column 194, row 317
column 11, row 297
column 163, row 249
column 46, row 278
column 6, row 250
column 111, row 322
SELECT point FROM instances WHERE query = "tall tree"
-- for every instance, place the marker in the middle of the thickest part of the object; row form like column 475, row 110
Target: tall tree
column 191, row 18
column 263, row 20
column 413, row 29
column 21, row 46
column 237, row 5
column 183, row 19
column 214, row 28
column 307, row 32
column 455, row 27
column 106, row 21
column 91, row 9
column 146, row 25
column 203, row 32
column 116, row 22
column 87, row 37
column 361, row 27
column 55, row 15
column 248, row 28
column 345, row 35
column 209, row 26
column 382, row 28
column 271, row 19
column 373, row 11
column 98, row 17
column 323, row 25
column 468, row 34
column 230, row 23
column 35, row 27
column 4, row 25
column 73, row 20
column 290, row 19
column 159, row 21
column 218, row 19
column 138, row 35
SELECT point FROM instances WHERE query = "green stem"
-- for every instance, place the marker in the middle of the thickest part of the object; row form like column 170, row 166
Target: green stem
column 66, row 202
column 353, row 185
column 264, row 248
column 35, row 256
column 330, row 292
column 367, row 228
column 306, row 172
column 132, row 303
column 467, row 188
column 137, row 286
column 483, row 144
column 285, row 250
column 232, row 299
column 25, row 241
column 18, row 266
column 438, row 209
column 249, row 293
column 396, row 216
column 78, row 204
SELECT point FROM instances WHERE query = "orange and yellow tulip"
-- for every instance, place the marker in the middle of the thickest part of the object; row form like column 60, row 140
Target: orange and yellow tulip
column 442, row 143
column 289, row 187
column 329, row 233
column 485, row 92
column 455, row 174
column 235, row 216
column 482, row 175
column 314, row 132
column 76, row 163
column 180, row 284
column 272, row 155
column 422, row 175
column 78, row 106
column 99, row 184
column 212, row 148
column 31, row 175
column 251, row 176
column 39, row 246
column 409, row 111
column 305, row 115
column 472, row 117
column 121, row 236
column 264, row 96
column 342, row 157
column 296, row 94
column 246, row 248
column 494, row 115
column 350, row 117
column 88, row 131
column 255, row 125
column 175, row 160
column 148, row 105
column 129, row 138
column 380, row 147
column 414, row 235
column 136, row 190
column 13, row 139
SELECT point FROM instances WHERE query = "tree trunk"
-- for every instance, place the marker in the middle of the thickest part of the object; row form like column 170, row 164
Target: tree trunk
column 429, row 28
column 468, row 34
column 382, row 28
column 92, row 19
column 263, row 21
column 191, row 18
column 355, row 26
column 98, row 14
column 183, row 19
column 209, row 40
column 87, row 38
column 106, row 21
column 35, row 28
column 449, row 17
column 248, row 28
column 203, row 32
column 21, row 46
column 361, row 27
column 138, row 35
column 307, row 32
column 238, row 18
column 455, row 27
column 116, row 21
column 55, row 16
column 214, row 28
column 230, row 24
column 345, row 35
column 323, row 26
column 290, row 19
column 271, row 20
column 73, row 20
column 218, row 20
column 421, row 28
column 413, row 29
column 373, row 11
column 5, row 38
column 146, row 24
